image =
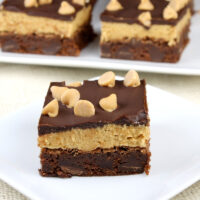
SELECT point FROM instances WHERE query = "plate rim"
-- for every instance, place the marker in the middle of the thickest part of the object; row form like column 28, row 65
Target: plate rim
column 108, row 64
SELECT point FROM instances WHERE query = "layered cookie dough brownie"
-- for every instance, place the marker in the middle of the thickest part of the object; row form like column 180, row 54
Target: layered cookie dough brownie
column 97, row 128
column 149, row 30
column 55, row 27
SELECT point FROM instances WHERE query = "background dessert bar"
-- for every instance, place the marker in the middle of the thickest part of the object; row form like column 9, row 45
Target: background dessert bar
column 46, row 27
column 148, row 30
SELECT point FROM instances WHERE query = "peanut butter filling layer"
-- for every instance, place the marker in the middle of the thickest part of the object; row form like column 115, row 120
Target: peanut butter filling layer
column 123, row 32
column 20, row 23
column 108, row 136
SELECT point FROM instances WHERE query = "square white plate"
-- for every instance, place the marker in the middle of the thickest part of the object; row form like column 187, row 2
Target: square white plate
column 175, row 147
column 90, row 56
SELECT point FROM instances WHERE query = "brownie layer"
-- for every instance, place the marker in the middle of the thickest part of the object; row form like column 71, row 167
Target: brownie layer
column 100, row 162
column 132, row 108
column 106, row 137
column 47, row 44
column 146, row 49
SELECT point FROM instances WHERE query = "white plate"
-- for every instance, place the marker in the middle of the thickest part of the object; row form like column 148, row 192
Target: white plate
column 174, row 145
column 90, row 56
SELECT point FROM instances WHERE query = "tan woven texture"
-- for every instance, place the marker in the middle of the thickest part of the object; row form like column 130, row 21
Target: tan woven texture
column 22, row 84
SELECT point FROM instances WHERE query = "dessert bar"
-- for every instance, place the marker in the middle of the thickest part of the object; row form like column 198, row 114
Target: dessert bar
column 97, row 128
column 149, row 30
column 53, row 27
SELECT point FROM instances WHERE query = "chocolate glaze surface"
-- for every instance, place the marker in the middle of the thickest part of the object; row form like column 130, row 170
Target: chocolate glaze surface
column 48, row 10
column 132, row 108
column 131, row 12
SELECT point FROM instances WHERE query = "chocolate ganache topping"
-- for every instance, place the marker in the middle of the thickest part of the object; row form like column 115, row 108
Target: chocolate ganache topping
column 48, row 10
column 130, row 12
column 132, row 108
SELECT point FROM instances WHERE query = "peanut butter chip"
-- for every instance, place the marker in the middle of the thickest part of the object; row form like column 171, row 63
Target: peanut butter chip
column 145, row 18
column 132, row 79
column 114, row 5
column 107, row 79
column 170, row 13
column 84, row 108
column 74, row 84
column 145, row 5
column 70, row 97
column 79, row 2
column 66, row 8
column 58, row 91
column 43, row 2
column 178, row 4
column 51, row 108
column 109, row 103
column 30, row 3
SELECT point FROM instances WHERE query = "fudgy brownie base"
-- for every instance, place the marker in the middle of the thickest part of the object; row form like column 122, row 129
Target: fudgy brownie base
column 146, row 50
column 99, row 162
column 49, row 45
